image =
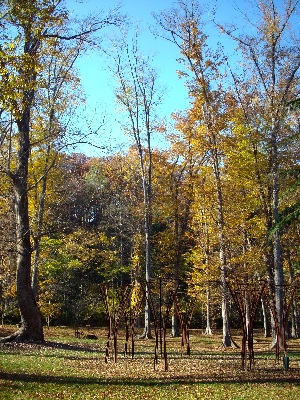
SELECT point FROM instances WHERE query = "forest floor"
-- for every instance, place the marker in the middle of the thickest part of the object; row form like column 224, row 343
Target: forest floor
column 67, row 367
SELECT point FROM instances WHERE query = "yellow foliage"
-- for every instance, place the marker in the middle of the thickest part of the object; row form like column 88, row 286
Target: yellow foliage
column 136, row 295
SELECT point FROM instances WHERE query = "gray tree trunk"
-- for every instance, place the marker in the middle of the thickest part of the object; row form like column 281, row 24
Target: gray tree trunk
column 294, row 332
column 31, row 323
column 147, row 330
column 227, row 340
column 278, row 268
column 266, row 318
column 208, row 330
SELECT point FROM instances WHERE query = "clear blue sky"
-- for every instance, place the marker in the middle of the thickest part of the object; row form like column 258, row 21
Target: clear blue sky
column 97, row 83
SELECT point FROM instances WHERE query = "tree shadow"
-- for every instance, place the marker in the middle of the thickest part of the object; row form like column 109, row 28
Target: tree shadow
column 159, row 381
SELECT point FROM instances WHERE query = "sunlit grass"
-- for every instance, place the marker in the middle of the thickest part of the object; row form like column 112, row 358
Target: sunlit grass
column 70, row 368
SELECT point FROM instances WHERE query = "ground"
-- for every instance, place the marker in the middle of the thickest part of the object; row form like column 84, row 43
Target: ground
column 65, row 360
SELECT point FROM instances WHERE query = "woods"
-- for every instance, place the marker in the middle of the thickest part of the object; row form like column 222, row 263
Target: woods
column 216, row 204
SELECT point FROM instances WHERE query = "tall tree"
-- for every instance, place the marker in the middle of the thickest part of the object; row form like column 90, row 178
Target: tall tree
column 27, row 32
column 138, row 94
column 174, row 173
column 272, row 79
column 184, row 26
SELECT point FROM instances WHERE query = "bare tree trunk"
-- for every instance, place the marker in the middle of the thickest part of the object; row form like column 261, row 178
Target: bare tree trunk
column 227, row 339
column 147, row 330
column 294, row 312
column 175, row 319
column 278, row 268
column 247, row 311
column 208, row 327
column 294, row 320
column 225, row 314
column 266, row 317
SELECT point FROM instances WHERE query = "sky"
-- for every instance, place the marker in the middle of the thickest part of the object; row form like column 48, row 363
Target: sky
column 98, row 83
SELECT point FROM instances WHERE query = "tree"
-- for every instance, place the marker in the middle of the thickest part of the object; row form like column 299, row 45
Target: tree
column 174, row 173
column 184, row 27
column 28, row 29
column 138, row 95
column 272, row 78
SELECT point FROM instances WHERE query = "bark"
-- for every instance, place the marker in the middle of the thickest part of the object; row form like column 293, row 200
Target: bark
column 227, row 339
column 278, row 269
column 175, row 319
column 31, row 327
column 294, row 320
column 294, row 331
column 148, row 221
column 147, row 329
column 208, row 327
column 247, row 311
column 266, row 318
column 175, row 326
column 31, row 323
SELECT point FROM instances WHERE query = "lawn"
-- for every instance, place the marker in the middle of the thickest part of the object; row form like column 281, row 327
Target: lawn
column 65, row 367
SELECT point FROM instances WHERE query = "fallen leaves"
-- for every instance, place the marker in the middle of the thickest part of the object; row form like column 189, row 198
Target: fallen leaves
column 78, row 369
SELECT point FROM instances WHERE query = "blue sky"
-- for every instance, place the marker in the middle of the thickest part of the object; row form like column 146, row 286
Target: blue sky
column 98, row 84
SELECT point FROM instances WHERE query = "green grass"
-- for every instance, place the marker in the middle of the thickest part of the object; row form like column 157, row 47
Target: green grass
column 68, row 368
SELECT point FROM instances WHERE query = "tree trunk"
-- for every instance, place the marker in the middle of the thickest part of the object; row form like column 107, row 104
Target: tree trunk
column 278, row 268
column 294, row 314
column 175, row 319
column 147, row 328
column 208, row 327
column 247, row 311
column 148, row 218
column 294, row 320
column 227, row 342
column 266, row 317
column 227, row 339
column 31, row 323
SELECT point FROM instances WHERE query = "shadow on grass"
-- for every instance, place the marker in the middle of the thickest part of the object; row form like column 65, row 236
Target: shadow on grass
column 159, row 381
column 95, row 347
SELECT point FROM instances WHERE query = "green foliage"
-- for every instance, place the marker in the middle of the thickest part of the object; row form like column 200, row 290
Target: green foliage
column 74, row 266
column 294, row 104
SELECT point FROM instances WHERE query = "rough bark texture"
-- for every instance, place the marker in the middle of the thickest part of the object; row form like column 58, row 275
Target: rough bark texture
column 31, row 324
column 31, row 328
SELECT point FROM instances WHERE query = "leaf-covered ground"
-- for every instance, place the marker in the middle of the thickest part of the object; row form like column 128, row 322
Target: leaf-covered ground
column 64, row 367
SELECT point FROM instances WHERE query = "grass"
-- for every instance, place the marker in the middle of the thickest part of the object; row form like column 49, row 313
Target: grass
column 65, row 367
